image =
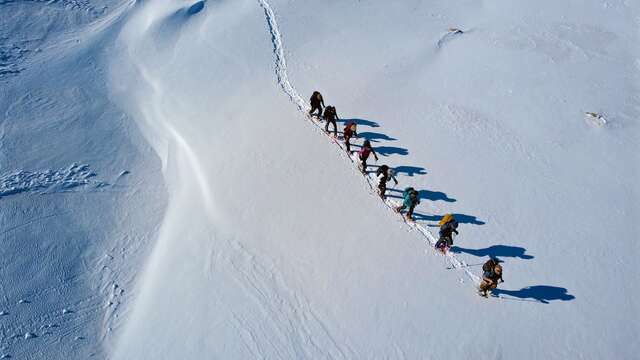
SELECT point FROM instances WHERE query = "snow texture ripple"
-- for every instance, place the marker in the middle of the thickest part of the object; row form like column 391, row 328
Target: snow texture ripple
column 47, row 181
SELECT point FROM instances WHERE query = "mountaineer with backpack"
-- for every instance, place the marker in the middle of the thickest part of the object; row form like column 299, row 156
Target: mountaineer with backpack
column 409, row 200
column 364, row 153
column 448, row 226
column 384, row 174
column 491, row 276
column 330, row 115
column 348, row 133
column 317, row 103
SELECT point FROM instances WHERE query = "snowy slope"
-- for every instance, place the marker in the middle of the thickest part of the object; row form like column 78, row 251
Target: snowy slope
column 269, row 242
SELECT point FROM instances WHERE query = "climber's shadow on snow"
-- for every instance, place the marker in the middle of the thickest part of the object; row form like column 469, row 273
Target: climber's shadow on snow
column 360, row 122
column 539, row 293
column 375, row 137
column 424, row 195
column 391, row 150
column 495, row 251
column 410, row 170
column 461, row 218
column 435, row 196
column 386, row 150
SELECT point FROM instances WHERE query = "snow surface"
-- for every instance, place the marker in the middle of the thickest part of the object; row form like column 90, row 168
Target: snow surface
column 163, row 195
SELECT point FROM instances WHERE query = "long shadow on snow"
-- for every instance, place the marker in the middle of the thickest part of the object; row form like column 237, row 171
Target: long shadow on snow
column 375, row 137
column 390, row 150
column 410, row 170
column 539, row 293
column 360, row 122
column 425, row 195
column 461, row 218
column 495, row 251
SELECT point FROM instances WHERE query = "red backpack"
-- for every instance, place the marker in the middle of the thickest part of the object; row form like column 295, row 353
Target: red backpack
column 364, row 152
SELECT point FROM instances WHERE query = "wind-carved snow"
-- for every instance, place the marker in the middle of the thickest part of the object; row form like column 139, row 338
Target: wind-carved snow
column 293, row 314
column 84, row 5
column 290, row 90
column 12, row 54
column 47, row 181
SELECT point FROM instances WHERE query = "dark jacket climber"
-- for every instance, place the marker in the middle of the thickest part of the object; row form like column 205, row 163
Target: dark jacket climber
column 446, row 233
column 330, row 115
column 384, row 174
column 317, row 103
column 491, row 277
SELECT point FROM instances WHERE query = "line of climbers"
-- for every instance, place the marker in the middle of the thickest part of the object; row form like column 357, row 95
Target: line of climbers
column 492, row 270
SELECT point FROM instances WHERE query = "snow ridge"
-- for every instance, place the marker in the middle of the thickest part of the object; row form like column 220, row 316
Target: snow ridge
column 289, row 89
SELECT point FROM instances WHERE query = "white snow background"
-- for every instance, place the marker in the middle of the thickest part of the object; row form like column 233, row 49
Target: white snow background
column 164, row 196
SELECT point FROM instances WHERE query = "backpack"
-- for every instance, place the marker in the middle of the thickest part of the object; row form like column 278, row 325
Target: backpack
column 407, row 191
column 316, row 97
column 329, row 111
column 364, row 152
column 488, row 266
column 350, row 129
column 383, row 170
column 445, row 219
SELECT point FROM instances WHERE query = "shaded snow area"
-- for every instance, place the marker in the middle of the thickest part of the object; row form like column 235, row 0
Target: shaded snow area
column 164, row 194
column 81, row 194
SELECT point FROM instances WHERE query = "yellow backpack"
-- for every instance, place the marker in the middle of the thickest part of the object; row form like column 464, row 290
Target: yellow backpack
column 445, row 219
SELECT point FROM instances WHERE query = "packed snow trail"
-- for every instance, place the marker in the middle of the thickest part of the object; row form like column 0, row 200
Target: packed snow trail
column 290, row 91
column 281, row 61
